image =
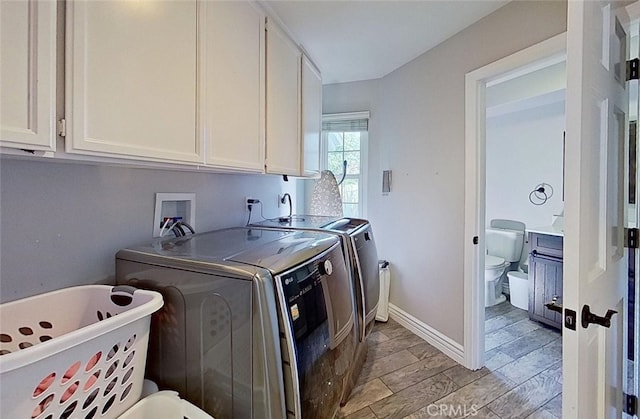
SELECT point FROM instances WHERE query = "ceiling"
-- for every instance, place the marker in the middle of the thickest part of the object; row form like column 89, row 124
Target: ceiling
column 353, row 40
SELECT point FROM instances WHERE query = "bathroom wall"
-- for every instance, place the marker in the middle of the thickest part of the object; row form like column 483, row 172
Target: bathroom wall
column 524, row 149
column 61, row 224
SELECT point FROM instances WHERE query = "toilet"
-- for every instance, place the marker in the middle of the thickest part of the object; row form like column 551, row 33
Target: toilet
column 504, row 242
column 494, row 269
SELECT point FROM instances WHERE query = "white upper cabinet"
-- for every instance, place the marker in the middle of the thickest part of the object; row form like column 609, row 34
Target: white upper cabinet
column 233, row 77
column 131, row 79
column 294, row 108
column 28, row 74
column 311, row 118
column 283, row 103
column 202, row 83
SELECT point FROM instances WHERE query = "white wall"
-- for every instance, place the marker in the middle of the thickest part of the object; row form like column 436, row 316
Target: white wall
column 417, row 130
column 524, row 149
column 61, row 224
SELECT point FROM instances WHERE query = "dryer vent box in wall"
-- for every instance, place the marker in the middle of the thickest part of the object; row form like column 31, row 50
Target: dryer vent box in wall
column 174, row 205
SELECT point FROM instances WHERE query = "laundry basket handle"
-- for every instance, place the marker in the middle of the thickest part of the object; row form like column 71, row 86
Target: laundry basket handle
column 122, row 295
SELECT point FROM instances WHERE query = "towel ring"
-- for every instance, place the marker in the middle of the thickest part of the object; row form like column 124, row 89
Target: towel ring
column 541, row 194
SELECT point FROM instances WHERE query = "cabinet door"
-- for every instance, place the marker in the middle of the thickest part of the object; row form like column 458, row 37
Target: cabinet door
column 283, row 103
column 131, row 79
column 28, row 74
column 545, row 284
column 311, row 118
column 233, row 76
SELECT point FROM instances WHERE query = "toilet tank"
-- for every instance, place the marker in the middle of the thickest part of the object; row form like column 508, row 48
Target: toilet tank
column 504, row 243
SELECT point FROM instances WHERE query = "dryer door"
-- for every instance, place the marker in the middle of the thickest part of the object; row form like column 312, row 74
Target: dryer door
column 316, row 304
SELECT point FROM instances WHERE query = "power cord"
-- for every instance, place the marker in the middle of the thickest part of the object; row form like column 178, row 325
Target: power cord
column 250, row 204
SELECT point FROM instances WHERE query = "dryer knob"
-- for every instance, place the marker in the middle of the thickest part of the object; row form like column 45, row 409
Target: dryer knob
column 326, row 267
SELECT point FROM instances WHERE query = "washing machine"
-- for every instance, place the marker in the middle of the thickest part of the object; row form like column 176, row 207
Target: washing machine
column 256, row 323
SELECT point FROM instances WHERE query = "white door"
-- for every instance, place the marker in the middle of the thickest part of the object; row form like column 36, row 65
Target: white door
column 595, row 261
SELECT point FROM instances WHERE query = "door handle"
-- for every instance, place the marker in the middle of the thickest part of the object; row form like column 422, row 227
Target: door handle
column 554, row 306
column 589, row 318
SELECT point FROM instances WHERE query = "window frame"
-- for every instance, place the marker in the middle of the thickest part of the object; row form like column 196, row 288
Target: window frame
column 364, row 163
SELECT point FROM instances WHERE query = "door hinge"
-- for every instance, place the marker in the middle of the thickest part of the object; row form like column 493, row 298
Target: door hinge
column 62, row 127
column 632, row 69
column 630, row 404
column 631, row 238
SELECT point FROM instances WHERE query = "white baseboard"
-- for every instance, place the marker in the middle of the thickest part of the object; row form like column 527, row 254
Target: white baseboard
column 446, row 345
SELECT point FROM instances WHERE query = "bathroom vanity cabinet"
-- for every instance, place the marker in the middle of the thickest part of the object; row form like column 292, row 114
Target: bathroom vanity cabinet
column 545, row 277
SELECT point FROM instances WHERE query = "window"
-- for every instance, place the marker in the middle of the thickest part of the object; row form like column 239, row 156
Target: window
column 344, row 138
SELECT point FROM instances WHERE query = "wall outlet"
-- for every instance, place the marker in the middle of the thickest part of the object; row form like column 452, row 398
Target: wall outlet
column 247, row 202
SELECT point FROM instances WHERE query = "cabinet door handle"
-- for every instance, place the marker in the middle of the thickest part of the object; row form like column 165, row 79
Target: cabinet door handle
column 554, row 306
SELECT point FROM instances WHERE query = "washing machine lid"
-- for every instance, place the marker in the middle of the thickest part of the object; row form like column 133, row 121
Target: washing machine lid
column 275, row 250
column 344, row 225
column 493, row 261
column 298, row 221
column 287, row 252
column 210, row 246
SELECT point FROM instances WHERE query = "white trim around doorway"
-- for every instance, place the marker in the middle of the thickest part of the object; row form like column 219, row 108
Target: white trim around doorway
column 475, row 173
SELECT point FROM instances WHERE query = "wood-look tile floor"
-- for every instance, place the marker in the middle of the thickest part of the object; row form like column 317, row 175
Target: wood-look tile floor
column 405, row 377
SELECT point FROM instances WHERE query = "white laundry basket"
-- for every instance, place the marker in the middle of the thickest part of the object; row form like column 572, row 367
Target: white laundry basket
column 77, row 352
column 164, row 405
column 382, row 314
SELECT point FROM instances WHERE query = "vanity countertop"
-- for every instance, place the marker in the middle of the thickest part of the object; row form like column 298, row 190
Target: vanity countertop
column 550, row 230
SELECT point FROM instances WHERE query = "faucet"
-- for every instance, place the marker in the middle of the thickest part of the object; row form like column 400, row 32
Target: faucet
column 283, row 199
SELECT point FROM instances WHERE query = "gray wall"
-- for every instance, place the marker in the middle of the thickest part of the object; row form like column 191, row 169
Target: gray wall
column 351, row 97
column 62, row 223
column 417, row 130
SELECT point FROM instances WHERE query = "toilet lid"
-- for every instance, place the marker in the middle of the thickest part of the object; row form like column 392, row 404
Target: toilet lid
column 493, row 261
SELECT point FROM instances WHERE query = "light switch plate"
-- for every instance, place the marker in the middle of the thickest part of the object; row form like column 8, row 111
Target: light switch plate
column 386, row 182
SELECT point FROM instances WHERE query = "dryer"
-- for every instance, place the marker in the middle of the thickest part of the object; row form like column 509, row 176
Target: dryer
column 256, row 323
column 360, row 249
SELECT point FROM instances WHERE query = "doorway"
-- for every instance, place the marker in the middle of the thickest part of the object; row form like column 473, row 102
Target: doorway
column 480, row 104
column 477, row 214
column 539, row 56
